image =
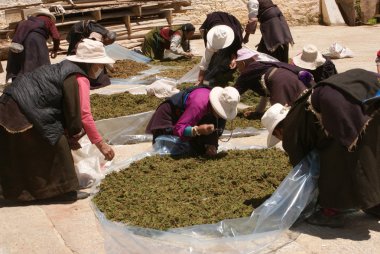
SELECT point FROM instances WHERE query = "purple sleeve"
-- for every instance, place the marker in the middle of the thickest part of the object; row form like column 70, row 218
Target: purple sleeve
column 196, row 108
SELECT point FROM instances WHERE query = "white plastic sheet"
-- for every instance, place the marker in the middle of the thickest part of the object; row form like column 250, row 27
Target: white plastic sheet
column 264, row 229
column 337, row 51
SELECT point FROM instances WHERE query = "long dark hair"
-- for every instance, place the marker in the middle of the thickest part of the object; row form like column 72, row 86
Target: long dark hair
column 188, row 27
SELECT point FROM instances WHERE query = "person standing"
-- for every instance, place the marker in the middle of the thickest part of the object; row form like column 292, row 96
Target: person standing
column 43, row 114
column 339, row 118
column 253, row 10
column 223, row 37
column 29, row 50
column 275, row 31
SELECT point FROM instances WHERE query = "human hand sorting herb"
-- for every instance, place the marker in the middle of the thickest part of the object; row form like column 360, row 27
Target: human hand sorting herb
column 205, row 129
column 211, row 150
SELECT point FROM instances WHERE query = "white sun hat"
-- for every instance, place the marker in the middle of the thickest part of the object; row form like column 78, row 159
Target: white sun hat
column 224, row 101
column 271, row 118
column 310, row 58
column 220, row 37
column 245, row 53
column 90, row 51
column 96, row 36
column 45, row 12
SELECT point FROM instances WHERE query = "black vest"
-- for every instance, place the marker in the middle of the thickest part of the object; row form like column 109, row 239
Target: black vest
column 39, row 96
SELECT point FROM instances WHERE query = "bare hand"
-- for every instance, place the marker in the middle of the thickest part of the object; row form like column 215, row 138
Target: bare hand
column 74, row 140
column 206, row 129
column 53, row 54
column 233, row 64
column 198, row 83
column 211, row 150
column 188, row 55
column 253, row 115
column 106, row 150
column 74, row 144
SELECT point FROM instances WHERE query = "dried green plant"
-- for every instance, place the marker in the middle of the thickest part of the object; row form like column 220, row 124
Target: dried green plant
column 121, row 104
column 162, row 192
column 127, row 68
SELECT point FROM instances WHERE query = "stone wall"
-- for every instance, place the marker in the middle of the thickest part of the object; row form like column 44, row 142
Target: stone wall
column 296, row 12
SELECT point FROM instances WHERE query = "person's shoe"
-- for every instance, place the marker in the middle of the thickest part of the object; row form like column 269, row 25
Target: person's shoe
column 327, row 218
column 70, row 196
column 16, row 47
column 374, row 211
column 82, row 195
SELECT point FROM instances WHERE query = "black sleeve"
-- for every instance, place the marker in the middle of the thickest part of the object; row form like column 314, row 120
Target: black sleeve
column 71, row 106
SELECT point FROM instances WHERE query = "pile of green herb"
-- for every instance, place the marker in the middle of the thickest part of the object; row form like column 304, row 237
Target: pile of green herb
column 162, row 192
column 121, row 104
column 241, row 122
column 127, row 68
column 177, row 68
column 109, row 106
column 180, row 62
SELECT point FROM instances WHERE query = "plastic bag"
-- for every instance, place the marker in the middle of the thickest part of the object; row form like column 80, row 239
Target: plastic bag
column 337, row 51
column 162, row 88
column 266, row 227
column 169, row 144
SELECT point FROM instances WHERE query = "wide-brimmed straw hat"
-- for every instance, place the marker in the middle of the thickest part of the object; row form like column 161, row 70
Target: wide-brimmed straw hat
column 246, row 53
column 224, row 101
column 220, row 37
column 91, row 51
column 272, row 117
column 310, row 58
column 45, row 12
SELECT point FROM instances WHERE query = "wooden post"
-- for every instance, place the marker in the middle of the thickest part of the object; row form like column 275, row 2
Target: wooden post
column 169, row 17
column 127, row 22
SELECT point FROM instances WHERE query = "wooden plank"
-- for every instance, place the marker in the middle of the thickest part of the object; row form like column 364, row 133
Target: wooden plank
column 97, row 15
column 137, row 10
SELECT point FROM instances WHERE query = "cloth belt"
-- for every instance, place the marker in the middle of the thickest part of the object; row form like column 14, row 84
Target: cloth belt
column 268, row 78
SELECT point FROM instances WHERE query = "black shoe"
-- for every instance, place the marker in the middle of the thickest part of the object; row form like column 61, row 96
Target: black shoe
column 374, row 211
column 70, row 196
column 333, row 221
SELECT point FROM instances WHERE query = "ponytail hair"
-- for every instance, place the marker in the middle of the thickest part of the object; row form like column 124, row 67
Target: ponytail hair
column 188, row 27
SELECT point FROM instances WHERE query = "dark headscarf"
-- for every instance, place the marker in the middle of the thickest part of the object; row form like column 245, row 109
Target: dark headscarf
column 188, row 27
column 223, row 18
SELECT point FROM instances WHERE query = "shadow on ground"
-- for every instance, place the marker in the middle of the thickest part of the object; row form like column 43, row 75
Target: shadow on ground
column 357, row 228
